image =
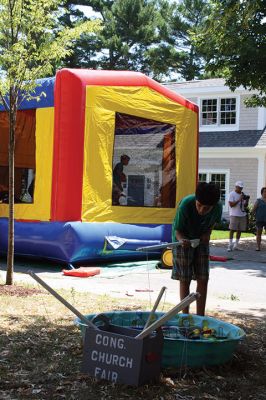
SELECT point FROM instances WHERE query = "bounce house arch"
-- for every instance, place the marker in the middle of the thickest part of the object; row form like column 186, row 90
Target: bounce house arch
column 113, row 153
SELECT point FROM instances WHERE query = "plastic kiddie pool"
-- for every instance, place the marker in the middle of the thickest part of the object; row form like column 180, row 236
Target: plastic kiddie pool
column 189, row 340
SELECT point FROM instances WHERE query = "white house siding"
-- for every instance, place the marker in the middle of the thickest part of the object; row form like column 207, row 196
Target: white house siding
column 238, row 156
column 248, row 118
column 244, row 169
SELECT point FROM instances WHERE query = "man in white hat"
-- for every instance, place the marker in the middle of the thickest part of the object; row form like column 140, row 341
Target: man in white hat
column 238, row 216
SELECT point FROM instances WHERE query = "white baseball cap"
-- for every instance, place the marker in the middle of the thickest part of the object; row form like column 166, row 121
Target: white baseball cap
column 239, row 184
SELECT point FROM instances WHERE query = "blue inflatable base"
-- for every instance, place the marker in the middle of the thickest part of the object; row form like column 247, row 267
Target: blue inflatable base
column 83, row 242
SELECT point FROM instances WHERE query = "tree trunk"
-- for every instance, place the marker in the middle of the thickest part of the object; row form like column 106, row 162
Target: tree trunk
column 11, row 160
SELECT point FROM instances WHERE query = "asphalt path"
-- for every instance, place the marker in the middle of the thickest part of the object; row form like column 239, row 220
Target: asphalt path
column 237, row 285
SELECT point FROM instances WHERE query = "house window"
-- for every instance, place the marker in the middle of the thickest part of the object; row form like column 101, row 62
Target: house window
column 209, row 112
column 218, row 111
column 228, row 111
column 221, row 178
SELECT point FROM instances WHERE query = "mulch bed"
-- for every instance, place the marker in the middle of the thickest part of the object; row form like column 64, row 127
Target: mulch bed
column 18, row 291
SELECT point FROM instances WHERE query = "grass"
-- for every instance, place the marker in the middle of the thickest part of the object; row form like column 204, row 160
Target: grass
column 223, row 235
column 41, row 350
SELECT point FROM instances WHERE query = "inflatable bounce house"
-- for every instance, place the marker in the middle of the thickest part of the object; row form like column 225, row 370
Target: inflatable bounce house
column 101, row 161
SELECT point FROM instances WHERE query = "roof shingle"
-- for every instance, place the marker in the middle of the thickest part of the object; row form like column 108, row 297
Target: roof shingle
column 243, row 138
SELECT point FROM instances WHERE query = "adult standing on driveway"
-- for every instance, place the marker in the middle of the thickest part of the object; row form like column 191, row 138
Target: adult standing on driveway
column 238, row 216
column 260, row 214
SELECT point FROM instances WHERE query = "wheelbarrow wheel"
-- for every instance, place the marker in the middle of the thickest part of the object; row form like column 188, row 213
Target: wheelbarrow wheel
column 166, row 259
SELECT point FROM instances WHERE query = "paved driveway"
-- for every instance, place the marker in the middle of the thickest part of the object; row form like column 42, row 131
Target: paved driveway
column 238, row 285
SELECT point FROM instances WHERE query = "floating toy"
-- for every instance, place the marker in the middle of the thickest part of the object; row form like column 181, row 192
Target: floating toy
column 101, row 161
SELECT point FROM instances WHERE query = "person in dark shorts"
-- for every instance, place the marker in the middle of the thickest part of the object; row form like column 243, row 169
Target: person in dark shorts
column 259, row 210
column 195, row 217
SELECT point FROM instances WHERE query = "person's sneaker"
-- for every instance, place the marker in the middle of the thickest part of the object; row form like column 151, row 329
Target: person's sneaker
column 235, row 247
column 230, row 247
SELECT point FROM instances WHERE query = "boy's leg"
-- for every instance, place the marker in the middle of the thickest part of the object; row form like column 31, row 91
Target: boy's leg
column 201, row 274
column 182, row 270
column 202, row 286
column 184, row 292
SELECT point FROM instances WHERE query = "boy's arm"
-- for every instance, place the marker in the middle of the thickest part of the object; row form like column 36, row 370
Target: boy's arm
column 206, row 236
column 181, row 237
column 179, row 225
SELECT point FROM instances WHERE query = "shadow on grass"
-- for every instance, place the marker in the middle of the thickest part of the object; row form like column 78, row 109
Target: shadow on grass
column 40, row 359
column 23, row 264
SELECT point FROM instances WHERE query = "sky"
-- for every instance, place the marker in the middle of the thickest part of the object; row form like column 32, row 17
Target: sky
column 88, row 11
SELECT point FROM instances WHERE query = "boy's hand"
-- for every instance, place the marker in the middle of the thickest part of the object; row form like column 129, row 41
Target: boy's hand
column 185, row 243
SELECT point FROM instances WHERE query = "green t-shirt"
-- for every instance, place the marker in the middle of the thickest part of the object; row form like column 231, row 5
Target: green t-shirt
column 190, row 223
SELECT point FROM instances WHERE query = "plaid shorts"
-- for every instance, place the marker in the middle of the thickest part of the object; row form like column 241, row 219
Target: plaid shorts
column 191, row 263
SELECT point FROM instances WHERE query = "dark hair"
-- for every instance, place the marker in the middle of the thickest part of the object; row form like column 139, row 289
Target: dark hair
column 208, row 194
column 124, row 157
column 262, row 190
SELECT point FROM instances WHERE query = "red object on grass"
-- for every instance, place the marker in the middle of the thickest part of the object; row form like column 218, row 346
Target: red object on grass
column 218, row 258
column 82, row 272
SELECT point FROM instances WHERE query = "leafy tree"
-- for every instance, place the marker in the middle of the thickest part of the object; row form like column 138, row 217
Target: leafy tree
column 233, row 41
column 177, row 54
column 151, row 36
column 31, row 43
column 193, row 13
column 84, row 49
column 184, row 23
column 131, row 28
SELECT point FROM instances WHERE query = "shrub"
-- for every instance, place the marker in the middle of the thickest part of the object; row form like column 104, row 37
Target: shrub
column 251, row 225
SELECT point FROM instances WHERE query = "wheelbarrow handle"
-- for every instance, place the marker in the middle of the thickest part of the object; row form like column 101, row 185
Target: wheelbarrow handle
column 62, row 300
column 184, row 303
column 160, row 295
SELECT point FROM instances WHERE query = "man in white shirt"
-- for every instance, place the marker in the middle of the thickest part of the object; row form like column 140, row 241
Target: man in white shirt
column 238, row 215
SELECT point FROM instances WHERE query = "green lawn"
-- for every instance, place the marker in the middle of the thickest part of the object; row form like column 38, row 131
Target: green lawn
column 220, row 235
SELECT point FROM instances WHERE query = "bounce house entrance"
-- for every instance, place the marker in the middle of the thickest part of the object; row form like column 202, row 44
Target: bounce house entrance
column 144, row 162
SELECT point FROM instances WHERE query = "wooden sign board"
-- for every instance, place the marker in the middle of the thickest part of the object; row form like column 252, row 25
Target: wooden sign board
column 112, row 353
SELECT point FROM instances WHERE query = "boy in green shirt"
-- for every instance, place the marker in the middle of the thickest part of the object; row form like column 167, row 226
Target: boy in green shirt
column 195, row 218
